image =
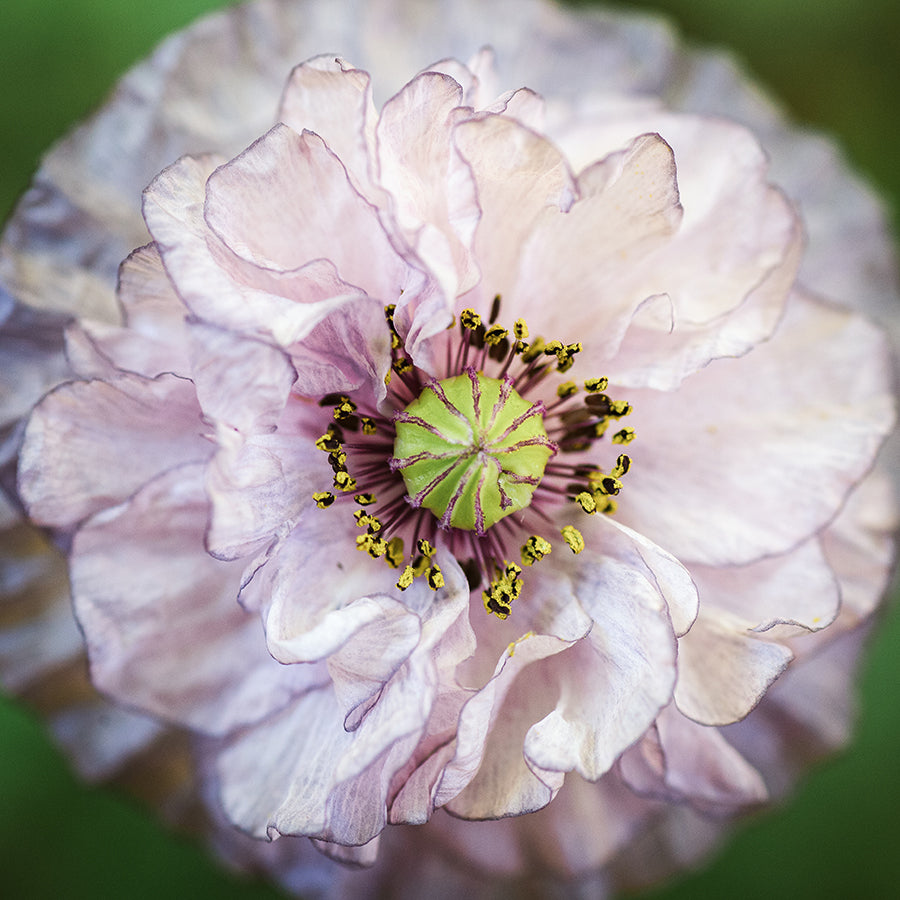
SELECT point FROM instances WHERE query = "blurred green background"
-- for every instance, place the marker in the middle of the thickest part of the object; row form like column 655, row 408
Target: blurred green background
column 834, row 64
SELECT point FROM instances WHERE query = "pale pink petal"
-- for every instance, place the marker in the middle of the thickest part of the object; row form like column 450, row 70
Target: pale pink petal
column 673, row 581
column 126, row 604
column 613, row 683
column 794, row 591
column 241, row 382
column 680, row 760
column 334, row 784
column 627, row 206
column 215, row 283
column 300, row 193
column 706, row 490
column 92, row 444
column 258, row 487
column 153, row 337
column 348, row 350
column 519, row 175
column 724, row 670
column 328, row 96
column 731, row 215
column 414, row 154
column 488, row 776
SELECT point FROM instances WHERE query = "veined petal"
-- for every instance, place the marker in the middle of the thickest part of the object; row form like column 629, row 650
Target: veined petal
column 127, row 603
column 724, row 487
column 91, row 444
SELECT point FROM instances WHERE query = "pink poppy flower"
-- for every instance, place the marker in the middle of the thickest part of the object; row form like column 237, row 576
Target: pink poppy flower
column 454, row 463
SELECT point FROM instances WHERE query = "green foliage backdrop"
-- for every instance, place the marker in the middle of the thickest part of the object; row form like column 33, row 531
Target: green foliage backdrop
column 834, row 66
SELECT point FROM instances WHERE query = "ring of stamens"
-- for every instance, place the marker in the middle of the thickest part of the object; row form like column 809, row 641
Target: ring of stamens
column 447, row 462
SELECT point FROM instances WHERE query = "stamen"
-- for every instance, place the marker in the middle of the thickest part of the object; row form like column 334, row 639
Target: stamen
column 459, row 455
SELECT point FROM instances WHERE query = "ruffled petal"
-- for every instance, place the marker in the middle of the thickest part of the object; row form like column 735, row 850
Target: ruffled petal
column 126, row 605
column 680, row 760
column 328, row 96
column 613, row 683
column 414, row 153
column 705, row 489
column 241, row 382
column 89, row 445
column 153, row 338
column 723, row 670
column 518, row 175
column 282, row 777
column 627, row 206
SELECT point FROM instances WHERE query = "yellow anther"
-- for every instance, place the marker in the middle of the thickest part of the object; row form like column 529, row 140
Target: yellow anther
column 394, row 553
column 520, row 330
column 323, row 499
column 367, row 425
column 365, row 499
column 469, row 319
column 495, row 335
column 624, row 436
column 552, row 348
column 406, row 579
column 534, row 549
column 533, row 350
column 600, row 428
column 402, row 365
column 420, row 565
column 425, row 548
column 619, row 408
column 609, row 485
column 586, row 502
column 435, row 578
column 623, row 464
column 567, row 389
column 338, row 460
column 596, row 385
column 344, row 410
column 344, row 482
column 572, row 536
column 328, row 442
column 365, row 520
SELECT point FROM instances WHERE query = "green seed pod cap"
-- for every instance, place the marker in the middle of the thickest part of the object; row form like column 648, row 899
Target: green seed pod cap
column 471, row 450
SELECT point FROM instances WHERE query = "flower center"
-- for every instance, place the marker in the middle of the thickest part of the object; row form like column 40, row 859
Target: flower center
column 471, row 450
column 446, row 462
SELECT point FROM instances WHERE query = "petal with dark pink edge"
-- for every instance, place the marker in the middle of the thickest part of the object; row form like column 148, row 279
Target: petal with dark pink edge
column 213, row 281
column 779, row 595
column 673, row 581
column 126, row 604
column 433, row 198
column 518, row 175
column 583, row 258
column 241, row 382
column 153, row 338
column 679, row 760
column 612, row 684
column 286, row 201
column 91, row 444
column 753, row 455
column 724, row 670
column 258, row 487
column 330, row 97
column 282, row 777
column 347, row 350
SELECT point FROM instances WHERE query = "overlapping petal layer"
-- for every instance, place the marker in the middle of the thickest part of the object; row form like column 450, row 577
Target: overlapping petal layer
column 660, row 675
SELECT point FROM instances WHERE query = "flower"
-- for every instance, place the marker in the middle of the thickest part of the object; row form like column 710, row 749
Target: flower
column 333, row 509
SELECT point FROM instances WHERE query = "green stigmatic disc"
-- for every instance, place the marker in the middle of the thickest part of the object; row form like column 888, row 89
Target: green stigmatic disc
column 471, row 450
